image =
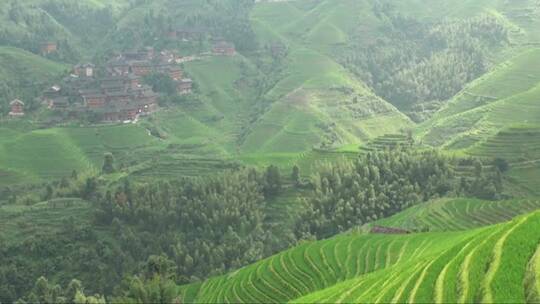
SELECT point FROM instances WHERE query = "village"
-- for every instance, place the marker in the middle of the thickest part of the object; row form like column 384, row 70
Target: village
column 115, row 91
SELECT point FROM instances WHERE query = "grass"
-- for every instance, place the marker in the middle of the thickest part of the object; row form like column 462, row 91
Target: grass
column 458, row 214
column 46, row 218
column 493, row 103
column 516, row 144
column 305, row 95
column 532, row 279
column 54, row 153
column 15, row 62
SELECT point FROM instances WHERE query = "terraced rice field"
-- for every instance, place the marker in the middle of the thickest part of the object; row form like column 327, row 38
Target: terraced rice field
column 459, row 214
column 55, row 153
column 494, row 103
column 517, row 144
column 385, row 141
column 17, row 223
column 481, row 265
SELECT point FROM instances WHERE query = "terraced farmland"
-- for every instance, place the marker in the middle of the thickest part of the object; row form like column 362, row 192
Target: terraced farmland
column 459, row 214
column 481, row 265
column 497, row 101
column 386, row 141
column 54, row 153
column 45, row 218
column 517, row 144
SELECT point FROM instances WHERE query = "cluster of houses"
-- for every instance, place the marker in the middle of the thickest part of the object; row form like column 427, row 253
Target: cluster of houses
column 144, row 62
column 115, row 92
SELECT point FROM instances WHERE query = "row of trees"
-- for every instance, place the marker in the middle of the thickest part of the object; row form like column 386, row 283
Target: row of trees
column 206, row 225
column 348, row 194
column 196, row 228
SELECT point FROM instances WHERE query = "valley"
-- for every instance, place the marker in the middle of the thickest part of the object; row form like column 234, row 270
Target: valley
column 305, row 124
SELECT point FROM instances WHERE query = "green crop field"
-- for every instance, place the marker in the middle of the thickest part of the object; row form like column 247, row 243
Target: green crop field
column 485, row 264
column 458, row 214
column 498, row 100
column 55, row 153
column 18, row 63
column 45, row 218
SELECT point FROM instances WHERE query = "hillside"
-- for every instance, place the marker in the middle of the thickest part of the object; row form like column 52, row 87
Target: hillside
column 458, row 214
column 55, row 153
column 323, row 151
column 22, row 74
column 315, row 86
column 421, row 267
column 479, row 108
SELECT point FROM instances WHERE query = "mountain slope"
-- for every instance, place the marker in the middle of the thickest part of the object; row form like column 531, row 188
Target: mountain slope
column 475, row 108
column 23, row 74
column 55, row 153
column 316, row 99
column 424, row 267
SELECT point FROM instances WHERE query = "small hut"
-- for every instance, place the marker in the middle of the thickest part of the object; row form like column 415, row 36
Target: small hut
column 17, row 108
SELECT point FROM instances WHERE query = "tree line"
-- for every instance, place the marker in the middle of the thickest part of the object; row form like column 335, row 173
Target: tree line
column 351, row 193
column 144, row 238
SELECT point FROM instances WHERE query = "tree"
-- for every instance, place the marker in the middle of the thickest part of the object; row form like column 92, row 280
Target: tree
column 90, row 188
column 501, row 164
column 161, row 83
column 108, row 164
column 295, row 176
column 49, row 191
column 272, row 185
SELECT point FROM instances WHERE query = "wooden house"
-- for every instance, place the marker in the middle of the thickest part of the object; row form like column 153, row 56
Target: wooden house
column 184, row 86
column 96, row 100
column 59, row 103
column 49, row 47
column 141, row 68
column 17, row 108
column 174, row 72
column 84, row 70
column 224, row 48
column 388, row 230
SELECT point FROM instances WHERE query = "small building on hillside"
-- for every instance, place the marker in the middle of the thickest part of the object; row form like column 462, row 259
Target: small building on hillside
column 49, row 47
column 133, row 81
column 59, row 103
column 52, row 92
column 184, row 86
column 141, row 68
column 17, row 108
column 118, row 66
column 186, row 34
column 84, row 70
column 94, row 100
column 174, row 72
column 224, row 48
column 388, row 230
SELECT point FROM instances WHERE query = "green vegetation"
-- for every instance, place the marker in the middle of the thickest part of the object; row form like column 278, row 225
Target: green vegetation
column 351, row 193
column 23, row 75
column 458, row 214
column 382, row 268
column 55, row 153
column 334, row 121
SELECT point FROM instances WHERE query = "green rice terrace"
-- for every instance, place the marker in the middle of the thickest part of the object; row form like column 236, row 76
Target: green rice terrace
column 463, row 261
